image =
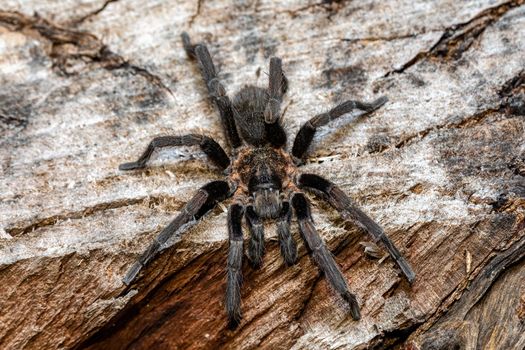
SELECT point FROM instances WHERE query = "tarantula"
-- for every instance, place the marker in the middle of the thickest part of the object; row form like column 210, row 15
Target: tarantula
column 264, row 181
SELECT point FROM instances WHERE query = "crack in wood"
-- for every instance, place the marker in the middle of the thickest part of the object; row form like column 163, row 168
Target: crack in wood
column 69, row 333
column 389, row 339
column 331, row 6
column 513, row 94
column 466, row 122
column 507, row 92
column 463, row 123
column 389, row 38
column 93, row 13
column 19, row 229
column 488, row 276
column 69, row 46
column 459, row 38
column 514, row 83
column 196, row 14
column 152, row 287
column 466, row 295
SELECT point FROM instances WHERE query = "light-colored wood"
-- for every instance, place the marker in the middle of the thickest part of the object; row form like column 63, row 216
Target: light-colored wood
column 86, row 85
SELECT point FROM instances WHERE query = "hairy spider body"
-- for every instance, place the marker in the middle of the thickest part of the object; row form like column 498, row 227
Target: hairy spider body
column 264, row 181
column 264, row 173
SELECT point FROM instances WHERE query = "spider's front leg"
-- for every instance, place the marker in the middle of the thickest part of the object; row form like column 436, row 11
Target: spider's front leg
column 215, row 88
column 306, row 133
column 208, row 145
column 277, row 86
column 321, row 254
column 234, row 267
column 204, row 200
column 338, row 199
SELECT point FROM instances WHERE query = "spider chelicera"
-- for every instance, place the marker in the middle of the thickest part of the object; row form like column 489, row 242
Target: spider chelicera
column 264, row 181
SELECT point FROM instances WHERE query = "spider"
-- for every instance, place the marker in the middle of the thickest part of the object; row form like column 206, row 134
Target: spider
column 264, row 181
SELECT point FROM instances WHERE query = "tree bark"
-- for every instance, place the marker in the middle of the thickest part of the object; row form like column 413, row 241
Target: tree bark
column 441, row 167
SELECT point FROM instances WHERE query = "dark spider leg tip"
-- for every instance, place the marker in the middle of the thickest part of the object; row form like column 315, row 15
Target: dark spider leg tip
column 186, row 43
column 354, row 306
column 130, row 166
column 233, row 323
column 132, row 273
column 380, row 101
column 409, row 274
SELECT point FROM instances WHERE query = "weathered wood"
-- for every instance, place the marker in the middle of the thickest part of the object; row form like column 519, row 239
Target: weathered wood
column 441, row 166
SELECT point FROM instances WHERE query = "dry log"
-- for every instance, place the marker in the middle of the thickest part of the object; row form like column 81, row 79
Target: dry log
column 86, row 85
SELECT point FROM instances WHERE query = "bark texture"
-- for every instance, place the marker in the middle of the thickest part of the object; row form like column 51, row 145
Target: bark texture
column 86, row 85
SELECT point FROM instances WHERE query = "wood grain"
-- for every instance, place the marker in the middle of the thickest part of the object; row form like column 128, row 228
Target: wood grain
column 85, row 87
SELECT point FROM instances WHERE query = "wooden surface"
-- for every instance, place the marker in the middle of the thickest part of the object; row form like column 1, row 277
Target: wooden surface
column 86, row 85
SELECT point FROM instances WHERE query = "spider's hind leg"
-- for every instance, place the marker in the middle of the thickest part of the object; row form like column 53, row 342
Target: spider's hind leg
column 205, row 199
column 321, row 254
column 348, row 209
column 215, row 88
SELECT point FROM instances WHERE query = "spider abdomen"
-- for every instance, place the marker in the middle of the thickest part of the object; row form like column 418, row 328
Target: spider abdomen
column 248, row 110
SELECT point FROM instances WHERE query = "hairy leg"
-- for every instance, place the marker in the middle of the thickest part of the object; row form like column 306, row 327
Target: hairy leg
column 272, row 113
column 256, row 245
column 215, row 88
column 349, row 210
column 321, row 254
column 205, row 199
column 212, row 149
column 286, row 240
column 306, row 133
column 234, row 267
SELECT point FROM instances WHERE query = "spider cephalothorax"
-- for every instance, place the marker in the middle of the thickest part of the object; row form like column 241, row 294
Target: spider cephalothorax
column 264, row 181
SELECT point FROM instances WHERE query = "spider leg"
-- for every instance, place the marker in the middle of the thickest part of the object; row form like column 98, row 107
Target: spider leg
column 212, row 149
column 321, row 254
column 256, row 245
column 306, row 133
column 286, row 240
column 272, row 111
column 204, row 200
column 234, row 267
column 215, row 87
column 348, row 209
column 278, row 85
